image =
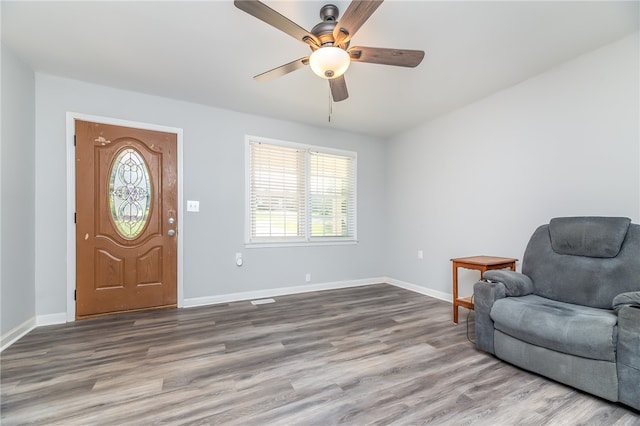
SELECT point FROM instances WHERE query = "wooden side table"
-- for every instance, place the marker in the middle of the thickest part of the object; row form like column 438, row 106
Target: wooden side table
column 479, row 263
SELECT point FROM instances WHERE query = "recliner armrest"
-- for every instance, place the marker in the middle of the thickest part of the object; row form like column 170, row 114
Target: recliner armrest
column 628, row 355
column 484, row 296
column 631, row 298
column 515, row 283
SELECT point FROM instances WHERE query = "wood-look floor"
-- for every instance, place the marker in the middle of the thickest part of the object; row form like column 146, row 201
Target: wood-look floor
column 366, row 355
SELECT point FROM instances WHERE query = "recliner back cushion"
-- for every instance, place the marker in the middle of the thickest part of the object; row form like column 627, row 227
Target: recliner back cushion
column 588, row 236
column 584, row 280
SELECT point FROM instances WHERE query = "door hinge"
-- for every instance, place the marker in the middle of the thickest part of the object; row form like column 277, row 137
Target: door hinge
column 75, row 217
column 75, row 293
column 74, row 140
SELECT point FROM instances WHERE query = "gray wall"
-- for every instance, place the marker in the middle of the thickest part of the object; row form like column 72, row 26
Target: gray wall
column 213, row 174
column 17, row 285
column 475, row 181
column 481, row 179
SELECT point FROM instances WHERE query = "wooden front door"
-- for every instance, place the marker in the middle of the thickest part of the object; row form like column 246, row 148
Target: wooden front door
column 126, row 219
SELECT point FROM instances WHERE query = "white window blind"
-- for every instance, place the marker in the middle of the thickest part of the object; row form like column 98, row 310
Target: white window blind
column 277, row 193
column 299, row 193
column 331, row 195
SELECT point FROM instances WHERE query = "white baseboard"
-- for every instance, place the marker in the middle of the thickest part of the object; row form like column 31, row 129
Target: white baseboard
column 50, row 319
column 261, row 294
column 16, row 333
column 447, row 297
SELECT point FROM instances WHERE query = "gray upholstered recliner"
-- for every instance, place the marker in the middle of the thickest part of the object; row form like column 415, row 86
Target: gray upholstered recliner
column 573, row 314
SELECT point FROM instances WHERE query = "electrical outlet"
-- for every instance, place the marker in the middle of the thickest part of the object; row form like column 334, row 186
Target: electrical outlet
column 420, row 254
column 193, row 206
column 307, row 277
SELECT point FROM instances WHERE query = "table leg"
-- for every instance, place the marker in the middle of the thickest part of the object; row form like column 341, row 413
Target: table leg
column 455, row 293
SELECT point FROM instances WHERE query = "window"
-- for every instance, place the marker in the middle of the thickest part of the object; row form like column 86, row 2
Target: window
column 299, row 193
column 129, row 193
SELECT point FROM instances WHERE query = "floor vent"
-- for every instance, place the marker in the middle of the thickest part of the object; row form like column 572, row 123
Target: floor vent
column 262, row 301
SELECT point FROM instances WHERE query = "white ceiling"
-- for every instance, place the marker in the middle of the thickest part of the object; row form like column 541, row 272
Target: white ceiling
column 208, row 51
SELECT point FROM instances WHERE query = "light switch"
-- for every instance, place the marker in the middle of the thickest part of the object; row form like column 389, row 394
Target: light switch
column 193, row 206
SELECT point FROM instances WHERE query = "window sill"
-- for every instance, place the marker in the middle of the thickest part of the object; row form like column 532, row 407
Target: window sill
column 301, row 244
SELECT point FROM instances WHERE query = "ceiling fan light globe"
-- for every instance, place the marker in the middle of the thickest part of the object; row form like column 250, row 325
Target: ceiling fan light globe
column 329, row 62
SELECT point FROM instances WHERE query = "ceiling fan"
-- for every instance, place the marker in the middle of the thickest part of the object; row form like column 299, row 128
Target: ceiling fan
column 329, row 41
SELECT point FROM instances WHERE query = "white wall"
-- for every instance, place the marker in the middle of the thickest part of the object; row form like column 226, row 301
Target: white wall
column 481, row 179
column 213, row 174
column 17, row 284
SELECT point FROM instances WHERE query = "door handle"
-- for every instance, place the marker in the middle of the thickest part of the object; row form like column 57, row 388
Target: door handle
column 171, row 232
column 171, row 221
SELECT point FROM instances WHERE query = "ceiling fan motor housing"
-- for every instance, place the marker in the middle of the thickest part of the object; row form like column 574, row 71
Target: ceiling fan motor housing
column 324, row 30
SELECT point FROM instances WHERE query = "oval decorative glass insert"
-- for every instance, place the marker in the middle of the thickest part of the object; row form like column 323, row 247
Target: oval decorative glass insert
column 129, row 193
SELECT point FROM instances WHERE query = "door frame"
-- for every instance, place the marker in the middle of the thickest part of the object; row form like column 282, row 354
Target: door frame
column 71, row 198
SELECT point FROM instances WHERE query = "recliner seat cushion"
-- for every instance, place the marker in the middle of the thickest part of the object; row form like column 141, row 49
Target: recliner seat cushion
column 563, row 327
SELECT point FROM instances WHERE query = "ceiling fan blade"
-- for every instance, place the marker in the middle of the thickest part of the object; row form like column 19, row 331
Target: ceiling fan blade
column 380, row 55
column 356, row 14
column 338, row 89
column 266, row 14
column 282, row 70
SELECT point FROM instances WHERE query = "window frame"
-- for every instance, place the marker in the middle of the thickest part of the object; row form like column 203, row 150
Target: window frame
column 306, row 239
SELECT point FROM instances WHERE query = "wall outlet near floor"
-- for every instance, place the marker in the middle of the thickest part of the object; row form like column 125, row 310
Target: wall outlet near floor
column 420, row 254
column 307, row 277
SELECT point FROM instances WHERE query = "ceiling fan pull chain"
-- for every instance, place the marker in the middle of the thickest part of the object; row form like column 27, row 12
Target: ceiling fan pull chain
column 330, row 105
